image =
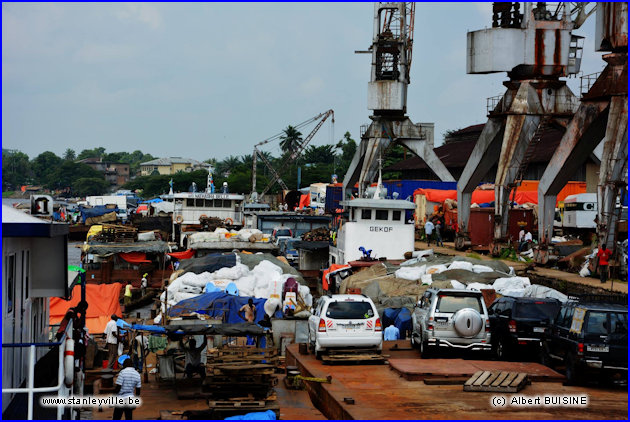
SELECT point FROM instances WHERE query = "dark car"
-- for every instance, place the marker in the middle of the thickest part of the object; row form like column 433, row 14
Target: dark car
column 590, row 340
column 519, row 323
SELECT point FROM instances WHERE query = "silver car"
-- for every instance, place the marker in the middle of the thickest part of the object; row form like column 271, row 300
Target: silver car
column 450, row 318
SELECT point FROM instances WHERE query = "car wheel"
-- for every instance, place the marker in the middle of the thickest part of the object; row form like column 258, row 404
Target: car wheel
column 318, row 354
column 545, row 359
column 311, row 343
column 425, row 351
column 500, row 351
column 414, row 344
column 573, row 378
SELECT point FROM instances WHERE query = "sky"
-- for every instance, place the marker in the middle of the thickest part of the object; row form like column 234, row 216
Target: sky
column 209, row 80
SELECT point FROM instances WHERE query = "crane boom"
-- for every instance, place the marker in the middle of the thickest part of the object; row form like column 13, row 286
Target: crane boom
column 292, row 157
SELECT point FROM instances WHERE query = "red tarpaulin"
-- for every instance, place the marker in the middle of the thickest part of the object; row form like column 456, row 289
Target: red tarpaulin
column 102, row 299
column 183, row 255
column 134, row 257
column 143, row 207
column 478, row 196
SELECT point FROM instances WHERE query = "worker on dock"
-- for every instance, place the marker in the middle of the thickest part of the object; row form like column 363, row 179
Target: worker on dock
column 144, row 284
column 438, row 234
column 249, row 309
column 193, row 358
column 128, row 294
column 128, row 380
column 111, row 336
column 603, row 254
column 428, row 231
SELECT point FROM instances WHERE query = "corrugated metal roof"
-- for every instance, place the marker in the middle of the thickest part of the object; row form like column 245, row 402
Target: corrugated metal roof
column 167, row 161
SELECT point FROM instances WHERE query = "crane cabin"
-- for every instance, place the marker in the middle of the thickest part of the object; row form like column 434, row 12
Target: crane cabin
column 372, row 224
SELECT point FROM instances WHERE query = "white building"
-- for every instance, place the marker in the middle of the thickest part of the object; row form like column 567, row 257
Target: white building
column 34, row 268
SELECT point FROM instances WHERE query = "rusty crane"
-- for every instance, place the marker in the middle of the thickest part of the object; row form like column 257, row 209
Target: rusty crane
column 391, row 51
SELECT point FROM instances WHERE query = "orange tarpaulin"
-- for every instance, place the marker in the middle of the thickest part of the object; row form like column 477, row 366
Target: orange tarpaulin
column 183, row 255
column 134, row 257
column 102, row 299
column 332, row 268
column 305, row 201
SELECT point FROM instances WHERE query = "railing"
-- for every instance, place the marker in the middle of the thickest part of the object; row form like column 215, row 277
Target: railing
column 492, row 102
column 30, row 380
column 587, row 81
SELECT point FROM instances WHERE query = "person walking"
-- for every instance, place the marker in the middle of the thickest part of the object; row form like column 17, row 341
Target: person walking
column 128, row 294
column 428, row 231
column 144, row 283
column 438, row 234
column 603, row 255
column 111, row 337
column 127, row 383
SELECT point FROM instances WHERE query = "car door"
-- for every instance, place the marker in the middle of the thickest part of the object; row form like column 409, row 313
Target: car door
column 313, row 320
column 617, row 340
column 493, row 315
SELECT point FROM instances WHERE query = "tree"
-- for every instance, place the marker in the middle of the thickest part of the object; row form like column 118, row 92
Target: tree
column 16, row 169
column 69, row 155
column 291, row 139
column 319, row 154
column 91, row 153
column 44, row 166
column 65, row 174
column 87, row 186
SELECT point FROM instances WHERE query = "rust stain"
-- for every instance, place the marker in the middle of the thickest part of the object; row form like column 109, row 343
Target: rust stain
column 539, row 51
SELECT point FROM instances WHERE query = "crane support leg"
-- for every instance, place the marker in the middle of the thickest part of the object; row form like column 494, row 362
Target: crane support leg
column 482, row 158
column 424, row 149
column 583, row 133
column 519, row 132
column 612, row 174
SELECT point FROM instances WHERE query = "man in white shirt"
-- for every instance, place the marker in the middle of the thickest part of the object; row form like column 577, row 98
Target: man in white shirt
column 527, row 239
column 111, row 335
column 128, row 380
column 428, row 230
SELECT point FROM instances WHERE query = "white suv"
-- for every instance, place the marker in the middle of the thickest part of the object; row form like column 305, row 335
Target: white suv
column 345, row 321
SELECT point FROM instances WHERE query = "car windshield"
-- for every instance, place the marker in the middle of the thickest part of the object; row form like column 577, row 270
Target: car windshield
column 452, row 304
column 536, row 310
column 291, row 244
column 350, row 310
column 283, row 232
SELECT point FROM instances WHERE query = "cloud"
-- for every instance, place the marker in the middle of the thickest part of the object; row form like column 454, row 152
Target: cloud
column 102, row 53
column 312, row 86
column 144, row 13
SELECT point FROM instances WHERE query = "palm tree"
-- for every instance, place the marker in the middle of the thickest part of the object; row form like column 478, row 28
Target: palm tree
column 291, row 139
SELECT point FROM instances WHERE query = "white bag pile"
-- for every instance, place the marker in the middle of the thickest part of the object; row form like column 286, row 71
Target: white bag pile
column 224, row 235
column 410, row 273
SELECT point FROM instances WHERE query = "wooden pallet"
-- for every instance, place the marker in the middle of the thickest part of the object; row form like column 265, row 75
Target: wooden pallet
column 214, row 404
column 497, row 381
column 355, row 358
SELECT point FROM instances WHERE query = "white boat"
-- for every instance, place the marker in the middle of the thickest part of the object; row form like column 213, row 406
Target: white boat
column 373, row 224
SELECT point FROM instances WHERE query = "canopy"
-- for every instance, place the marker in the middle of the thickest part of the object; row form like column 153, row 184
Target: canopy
column 333, row 268
column 102, row 299
column 218, row 304
column 135, row 257
column 209, row 263
column 183, row 255
column 100, row 248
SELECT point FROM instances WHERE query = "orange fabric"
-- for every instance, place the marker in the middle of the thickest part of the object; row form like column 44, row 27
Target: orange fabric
column 102, row 299
column 183, row 255
column 527, row 192
column 305, row 201
column 143, row 207
column 134, row 257
column 330, row 269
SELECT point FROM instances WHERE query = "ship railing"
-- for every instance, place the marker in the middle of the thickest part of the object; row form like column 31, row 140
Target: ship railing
column 30, row 388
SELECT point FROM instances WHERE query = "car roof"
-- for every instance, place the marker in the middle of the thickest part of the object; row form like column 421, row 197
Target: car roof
column 472, row 292
column 345, row 297
column 532, row 299
column 593, row 306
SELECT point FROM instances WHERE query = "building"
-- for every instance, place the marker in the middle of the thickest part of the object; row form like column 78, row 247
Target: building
column 459, row 145
column 117, row 174
column 34, row 269
column 172, row 165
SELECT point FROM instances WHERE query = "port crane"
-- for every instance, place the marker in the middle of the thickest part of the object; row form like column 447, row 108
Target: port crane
column 391, row 51
column 293, row 156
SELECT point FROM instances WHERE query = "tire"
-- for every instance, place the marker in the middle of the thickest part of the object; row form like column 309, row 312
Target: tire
column 425, row 350
column 318, row 354
column 500, row 350
column 414, row 344
column 311, row 344
column 545, row 359
column 570, row 371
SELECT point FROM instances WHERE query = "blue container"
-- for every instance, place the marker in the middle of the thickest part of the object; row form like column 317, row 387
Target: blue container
column 334, row 195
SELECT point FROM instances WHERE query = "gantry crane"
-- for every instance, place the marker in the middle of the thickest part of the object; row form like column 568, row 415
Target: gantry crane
column 391, row 51
column 275, row 175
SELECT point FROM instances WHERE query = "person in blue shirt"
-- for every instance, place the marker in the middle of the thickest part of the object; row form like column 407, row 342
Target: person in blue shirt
column 392, row 333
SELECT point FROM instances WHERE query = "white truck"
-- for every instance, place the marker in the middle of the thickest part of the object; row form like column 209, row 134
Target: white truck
column 119, row 200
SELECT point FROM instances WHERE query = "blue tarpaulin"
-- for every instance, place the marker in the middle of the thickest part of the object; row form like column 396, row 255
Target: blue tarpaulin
column 399, row 318
column 96, row 211
column 268, row 415
column 217, row 304
column 151, row 328
column 150, row 201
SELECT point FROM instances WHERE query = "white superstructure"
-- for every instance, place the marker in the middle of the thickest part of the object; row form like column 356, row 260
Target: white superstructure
column 376, row 224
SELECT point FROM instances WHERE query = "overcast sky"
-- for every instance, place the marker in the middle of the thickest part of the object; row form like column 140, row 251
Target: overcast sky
column 210, row 80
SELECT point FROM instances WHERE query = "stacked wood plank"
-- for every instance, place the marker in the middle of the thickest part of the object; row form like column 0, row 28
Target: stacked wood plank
column 497, row 381
column 113, row 233
column 317, row 235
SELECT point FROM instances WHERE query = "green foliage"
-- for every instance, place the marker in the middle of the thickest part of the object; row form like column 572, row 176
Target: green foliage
column 155, row 185
column 291, row 139
column 44, row 165
column 65, row 175
column 91, row 153
column 16, row 169
column 319, row 154
column 86, row 186
column 70, row 154
column 473, row 255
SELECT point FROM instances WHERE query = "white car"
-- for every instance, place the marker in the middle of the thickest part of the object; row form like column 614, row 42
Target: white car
column 345, row 321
